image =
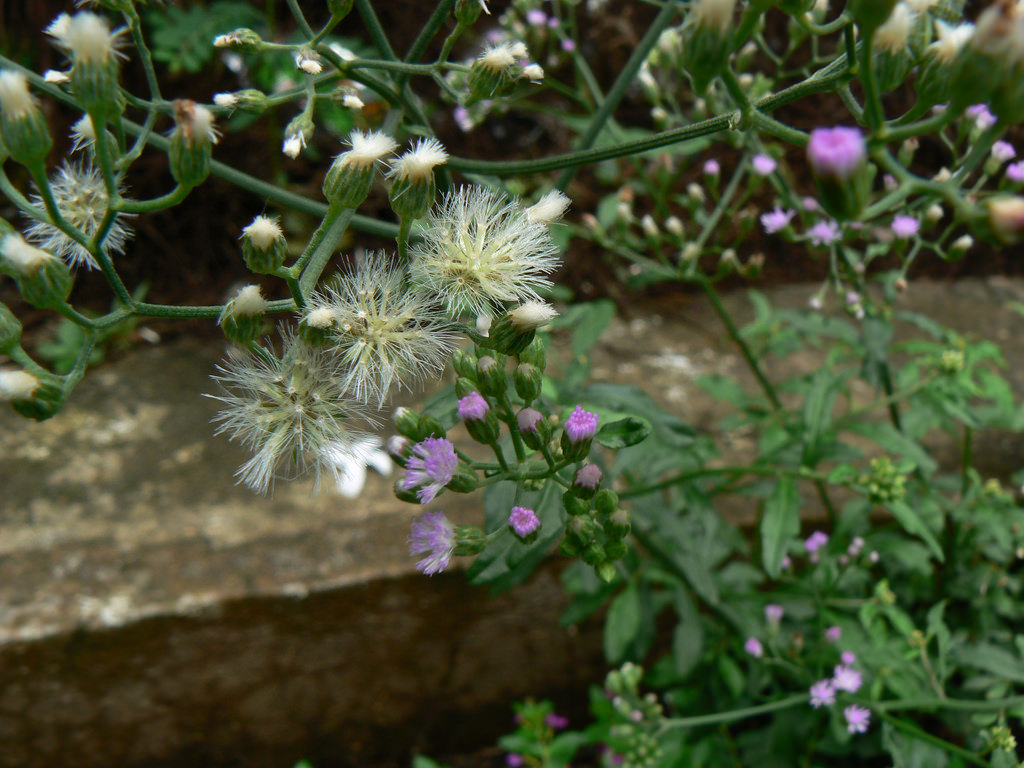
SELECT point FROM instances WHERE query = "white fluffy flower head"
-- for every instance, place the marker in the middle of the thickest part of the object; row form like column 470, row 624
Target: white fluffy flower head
column 893, row 34
column 293, row 144
column 951, row 40
column 81, row 196
column 248, row 301
column 17, row 385
column 384, row 333
column 532, row 315
column 498, row 57
column 419, row 162
column 263, row 232
column 367, row 149
column 480, row 251
column 194, row 122
column 83, row 133
column 88, row 38
column 550, row 208
column 15, row 98
column 291, row 410
column 24, row 257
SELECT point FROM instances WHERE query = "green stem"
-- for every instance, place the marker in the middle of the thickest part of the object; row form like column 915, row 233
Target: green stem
column 872, row 98
column 324, row 249
column 620, row 86
column 172, row 198
column 427, row 33
column 300, row 19
column 733, row 715
column 923, row 735
column 81, row 362
column 143, row 309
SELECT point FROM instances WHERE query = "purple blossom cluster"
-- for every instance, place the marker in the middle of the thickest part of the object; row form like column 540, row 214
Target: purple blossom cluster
column 431, row 467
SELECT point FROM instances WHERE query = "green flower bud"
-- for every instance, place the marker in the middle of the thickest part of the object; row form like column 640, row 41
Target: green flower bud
column 35, row 396
column 407, row 422
column 408, row 496
column 94, row 73
column 616, row 549
column 191, row 145
column 707, row 40
column 464, row 481
column 870, row 14
column 527, row 380
column 243, row 318
column 491, row 376
column 570, row 547
column 485, row 430
column 243, row 40
column 248, row 100
column 606, row 572
column 413, row 188
column 513, row 332
column 534, row 354
column 594, row 554
column 468, row 11
column 431, row 427
column 463, row 387
column 264, row 246
column 606, row 501
column 493, row 73
column 469, row 540
column 43, row 280
column 464, row 364
column 10, row 330
column 350, row 176
column 617, row 525
column 340, row 8
column 23, row 130
column 574, row 505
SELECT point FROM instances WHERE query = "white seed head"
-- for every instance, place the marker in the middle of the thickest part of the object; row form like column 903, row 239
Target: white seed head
column 498, row 58
column 893, row 34
column 17, row 385
column 81, row 196
column 24, row 257
column 951, row 40
column 479, row 251
column 519, row 49
column 308, row 62
column 351, row 101
column 248, row 301
column 532, row 315
column 963, row 243
column 418, row 163
column 998, row 32
column 225, row 100
column 649, row 225
column 290, row 409
column 195, row 123
column 89, row 39
column 83, row 134
column 367, row 149
column 550, row 208
column 675, row 226
column 534, row 73
column 383, row 333
column 714, row 14
column 58, row 29
column 320, row 317
column 263, row 232
column 56, row 77
column 293, row 144
column 15, row 99
column 934, row 213
column 695, row 192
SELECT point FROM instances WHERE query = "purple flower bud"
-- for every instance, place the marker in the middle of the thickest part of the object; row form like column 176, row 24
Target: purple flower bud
column 568, row 45
column 1015, row 171
column 836, row 152
column 763, row 165
column 846, row 678
column 816, row 541
column 535, row 17
column 588, row 476
column 905, row 227
column 848, row 657
column 823, row 694
column 432, row 535
column 523, row 521
column 1002, row 151
column 556, row 721
column 858, row 718
column 431, row 467
column 773, row 613
column 712, row 168
column 776, row 220
column 514, row 760
column 832, row 634
column 825, row 232
column 528, row 419
column 581, row 425
column 473, row 407
column 753, row 647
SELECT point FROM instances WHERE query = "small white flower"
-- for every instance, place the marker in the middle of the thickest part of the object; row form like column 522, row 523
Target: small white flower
column 17, row 385
column 497, row 57
column 714, row 14
column 81, row 196
column 24, row 257
column 383, row 333
column 550, row 208
column 15, row 99
column 892, row 35
column 367, row 149
column 248, row 301
column 534, row 73
column 225, row 100
column 194, row 123
column 519, row 49
column 352, row 461
column 480, row 250
column 532, row 315
column 321, row 318
column 83, row 134
column 951, row 40
column 223, row 41
column 342, row 52
column 351, row 101
column 89, row 39
column 58, row 29
column 418, row 163
column 308, row 62
column 56, row 77
column 263, row 232
column 649, row 226
column 293, row 144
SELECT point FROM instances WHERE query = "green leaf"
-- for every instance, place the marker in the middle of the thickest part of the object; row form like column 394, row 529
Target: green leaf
column 908, row 752
column 622, row 624
column 624, row 432
column 817, row 414
column 913, row 524
column 993, row 659
column 780, row 524
column 688, row 638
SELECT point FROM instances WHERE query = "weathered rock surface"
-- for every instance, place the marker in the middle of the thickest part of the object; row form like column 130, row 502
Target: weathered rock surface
column 154, row 613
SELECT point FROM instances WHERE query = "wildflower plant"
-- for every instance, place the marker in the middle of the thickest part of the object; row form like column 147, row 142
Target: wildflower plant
column 868, row 633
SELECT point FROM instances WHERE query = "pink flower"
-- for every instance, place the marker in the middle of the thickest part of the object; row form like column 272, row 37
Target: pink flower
column 763, row 165
column 824, row 232
column 836, row 152
column 588, row 476
column 773, row 613
column 905, row 227
column 857, row 718
column 712, row 168
column 846, row 679
column 523, row 521
column 1002, row 151
column 473, row 407
column 776, row 220
column 823, row 694
column 581, row 425
column 432, row 535
column 1015, row 171
column 832, row 634
column 848, row 657
column 753, row 647
column 818, row 539
column 431, row 467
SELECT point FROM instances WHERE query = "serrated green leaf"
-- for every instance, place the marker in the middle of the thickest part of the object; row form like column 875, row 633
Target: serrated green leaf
column 913, row 524
column 622, row 625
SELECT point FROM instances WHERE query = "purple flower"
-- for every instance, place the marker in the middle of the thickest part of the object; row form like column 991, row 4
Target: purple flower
column 514, row 760
column 431, row 467
column 773, row 613
column 786, row 564
column 809, row 204
column 554, row 23
column 588, row 476
column 823, row 694
column 432, row 535
column 528, row 419
column 1002, row 151
column 832, row 634
column 556, row 721
column 763, row 165
column 462, row 119
column 568, row 45
column 581, row 425
column 852, row 297
column 858, row 718
column 983, row 118
column 848, row 657
column 523, row 521
column 753, row 647
column 473, row 407
column 836, row 152
column 1015, row 171
column 712, row 168
column 905, row 227
column 535, row 17
column 846, row 678
column 776, row 219
column 818, row 539
column 825, row 232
